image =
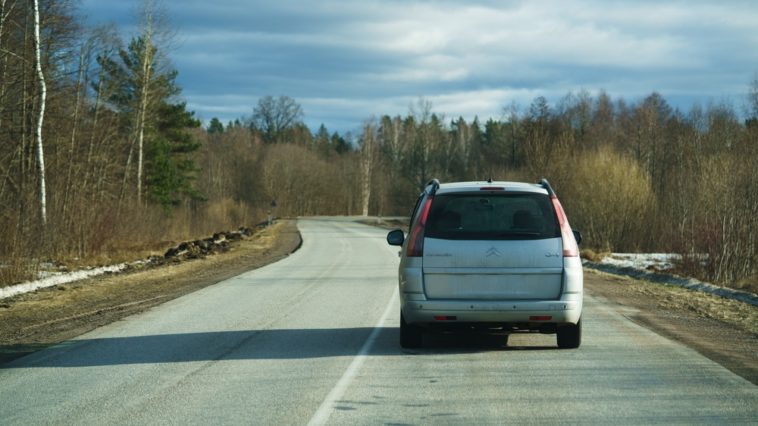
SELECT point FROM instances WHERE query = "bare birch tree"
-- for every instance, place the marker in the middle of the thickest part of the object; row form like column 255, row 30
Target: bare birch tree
column 4, row 13
column 148, row 33
column 753, row 98
column 80, row 84
column 154, row 31
column 147, row 61
column 40, row 117
column 422, row 144
column 368, row 142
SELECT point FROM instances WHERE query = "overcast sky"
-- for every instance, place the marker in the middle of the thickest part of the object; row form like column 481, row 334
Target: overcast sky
column 345, row 61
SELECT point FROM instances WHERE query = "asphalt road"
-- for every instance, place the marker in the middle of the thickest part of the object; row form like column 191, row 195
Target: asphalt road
column 313, row 339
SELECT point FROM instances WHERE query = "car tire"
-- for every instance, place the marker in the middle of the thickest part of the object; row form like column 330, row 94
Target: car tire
column 410, row 335
column 570, row 335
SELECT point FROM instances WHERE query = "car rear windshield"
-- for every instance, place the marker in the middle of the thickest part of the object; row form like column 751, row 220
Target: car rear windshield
column 525, row 216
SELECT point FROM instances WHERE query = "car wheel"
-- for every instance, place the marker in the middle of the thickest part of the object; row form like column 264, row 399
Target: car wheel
column 410, row 335
column 570, row 336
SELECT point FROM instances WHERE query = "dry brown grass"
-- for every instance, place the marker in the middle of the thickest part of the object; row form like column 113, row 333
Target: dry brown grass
column 17, row 269
column 739, row 314
column 109, row 238
column 592, row 255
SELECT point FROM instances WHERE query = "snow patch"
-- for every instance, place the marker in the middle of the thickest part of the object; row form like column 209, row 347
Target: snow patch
column 219, row 242
column 642, row 261
column 654, row 266
column 58, row 279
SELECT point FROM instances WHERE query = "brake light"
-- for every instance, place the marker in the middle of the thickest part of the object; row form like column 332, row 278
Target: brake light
column 415, row 246
column 492, row 188
column 570, row 248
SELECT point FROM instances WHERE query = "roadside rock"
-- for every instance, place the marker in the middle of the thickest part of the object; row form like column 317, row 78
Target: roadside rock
column 198, row 249
column 219, row 242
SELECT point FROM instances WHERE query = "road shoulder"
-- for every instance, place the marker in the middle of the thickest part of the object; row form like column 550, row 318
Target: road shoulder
column 725, row 331
column 33, row 321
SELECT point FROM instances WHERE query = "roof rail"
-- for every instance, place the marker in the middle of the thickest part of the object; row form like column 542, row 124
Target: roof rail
column 435, row 185
column 545, row 184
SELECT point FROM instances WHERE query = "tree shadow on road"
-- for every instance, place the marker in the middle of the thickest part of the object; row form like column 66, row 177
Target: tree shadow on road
column 247, row 345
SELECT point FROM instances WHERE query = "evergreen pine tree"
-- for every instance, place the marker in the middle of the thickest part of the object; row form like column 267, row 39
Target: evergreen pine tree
column 169, row 167
column 171, row 170
column 215, row 126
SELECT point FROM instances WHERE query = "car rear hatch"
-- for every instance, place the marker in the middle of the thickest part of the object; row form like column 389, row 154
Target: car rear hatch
column 492, row 245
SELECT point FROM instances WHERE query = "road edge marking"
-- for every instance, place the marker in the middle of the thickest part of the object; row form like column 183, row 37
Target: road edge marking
column 327, row 406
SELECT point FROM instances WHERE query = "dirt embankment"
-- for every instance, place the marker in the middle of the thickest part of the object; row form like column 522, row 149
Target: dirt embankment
column 35, row 320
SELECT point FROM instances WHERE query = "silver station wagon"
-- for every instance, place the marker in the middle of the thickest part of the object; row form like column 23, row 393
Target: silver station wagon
column 492, row 256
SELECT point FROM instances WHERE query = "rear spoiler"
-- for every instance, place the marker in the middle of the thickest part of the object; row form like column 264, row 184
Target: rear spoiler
column 545, row 184
column 432, row 187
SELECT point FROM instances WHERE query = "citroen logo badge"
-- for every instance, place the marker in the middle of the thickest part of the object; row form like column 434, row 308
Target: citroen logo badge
column 493, row 252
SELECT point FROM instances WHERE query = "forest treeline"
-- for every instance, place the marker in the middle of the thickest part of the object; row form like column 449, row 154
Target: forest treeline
column 127, row 168
column 638, row 176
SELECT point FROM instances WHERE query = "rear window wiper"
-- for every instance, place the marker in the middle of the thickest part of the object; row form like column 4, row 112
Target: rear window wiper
column 519, row 234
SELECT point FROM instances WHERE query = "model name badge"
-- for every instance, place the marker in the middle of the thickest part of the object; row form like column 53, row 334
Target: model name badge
column 552, row 255
column 440, row 255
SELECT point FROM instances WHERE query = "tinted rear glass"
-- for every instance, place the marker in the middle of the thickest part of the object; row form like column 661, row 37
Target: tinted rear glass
column 492, row 217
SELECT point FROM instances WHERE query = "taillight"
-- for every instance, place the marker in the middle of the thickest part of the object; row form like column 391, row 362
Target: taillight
column 570, row 248
column 415, row 246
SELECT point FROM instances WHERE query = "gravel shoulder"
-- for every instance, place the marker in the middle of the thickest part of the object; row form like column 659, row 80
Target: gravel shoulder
column 726, row 331
column 33, row 321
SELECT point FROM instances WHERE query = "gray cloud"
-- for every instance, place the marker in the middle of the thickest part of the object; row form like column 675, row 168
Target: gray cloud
column 345, row 61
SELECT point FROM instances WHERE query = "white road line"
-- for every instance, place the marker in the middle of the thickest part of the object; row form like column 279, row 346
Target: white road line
column 325, row 410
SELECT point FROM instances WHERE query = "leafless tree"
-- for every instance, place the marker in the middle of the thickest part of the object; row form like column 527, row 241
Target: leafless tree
column 753, row 98
column 368, row 146
column 40, row 116
column 274, row 116
column 147, row 68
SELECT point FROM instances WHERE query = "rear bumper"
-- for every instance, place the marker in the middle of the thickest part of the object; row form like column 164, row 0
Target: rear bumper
column 417, row 310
